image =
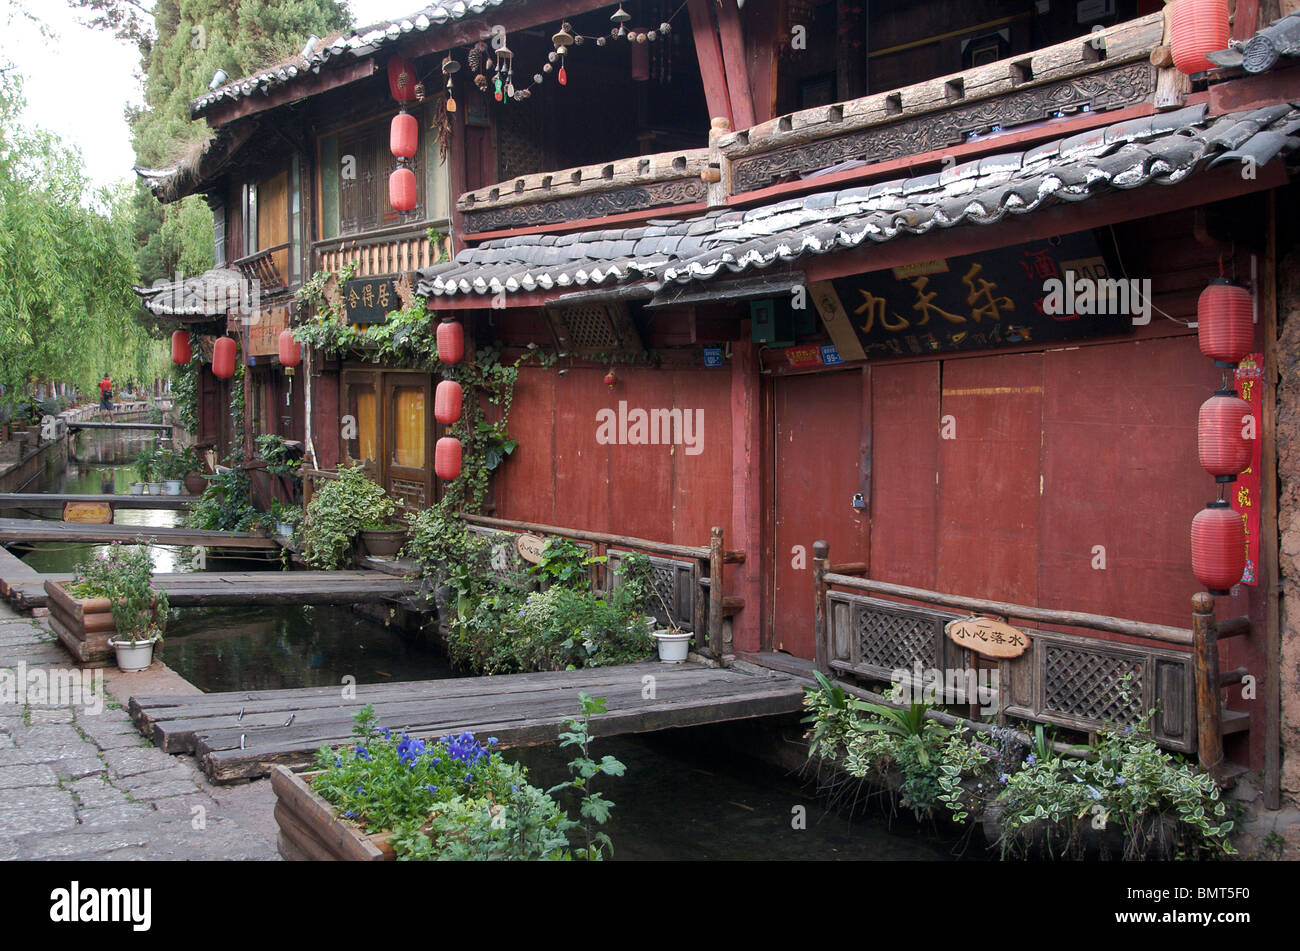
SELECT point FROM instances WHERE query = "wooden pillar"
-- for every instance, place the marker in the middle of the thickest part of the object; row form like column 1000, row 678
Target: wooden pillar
column 1205, row 664
column 746, row 492
column 708, row 51
column 1269, row 567
column 821, row 565
column 732, row 40
column 716, row 558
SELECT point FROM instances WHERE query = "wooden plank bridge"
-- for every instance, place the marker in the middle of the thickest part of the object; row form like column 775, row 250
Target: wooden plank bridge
column 47, row 500
column 152, row 427
column 241, row 735
column 40, row 530
column 238, row 589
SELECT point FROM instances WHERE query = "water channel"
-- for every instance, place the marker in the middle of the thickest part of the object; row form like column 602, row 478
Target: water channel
column 686, row 794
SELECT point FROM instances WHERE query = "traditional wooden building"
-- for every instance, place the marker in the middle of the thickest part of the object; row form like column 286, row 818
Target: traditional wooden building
column 822, row 272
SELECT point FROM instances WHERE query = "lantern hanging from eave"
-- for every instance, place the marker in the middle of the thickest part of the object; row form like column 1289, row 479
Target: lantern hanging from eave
column 181, row 351
column 1198, row 27
column 401, row 79
column 404, row 135
column 223, row 358
column 1218, row 547
column 401, row 189
column 446, row 458
column 447, row 399
column 290, row 351
column 1225, row 430
column 1225, row 315
column 451, row 342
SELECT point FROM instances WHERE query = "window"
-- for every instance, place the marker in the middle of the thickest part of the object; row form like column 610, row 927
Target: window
column 355, row 164
column 273, row 220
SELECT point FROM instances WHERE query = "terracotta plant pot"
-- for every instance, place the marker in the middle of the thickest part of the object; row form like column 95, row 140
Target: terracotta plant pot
column 195, row 483
column 311, row 832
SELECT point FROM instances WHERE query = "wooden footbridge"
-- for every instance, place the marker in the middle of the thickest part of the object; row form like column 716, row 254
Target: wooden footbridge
column 40, row 530
column 48, row 501
column 150, row 427
column 243, row 734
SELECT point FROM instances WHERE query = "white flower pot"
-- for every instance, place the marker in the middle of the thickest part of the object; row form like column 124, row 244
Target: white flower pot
column 137, row 488
column 155, row 488
column 172, row 487
column 673, row 647
column 132, row 657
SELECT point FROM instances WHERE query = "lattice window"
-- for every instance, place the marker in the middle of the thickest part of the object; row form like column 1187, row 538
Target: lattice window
column 1089, row 685
column 673, row 581
column 891, row 640
column 409, row 495
column 594, row 328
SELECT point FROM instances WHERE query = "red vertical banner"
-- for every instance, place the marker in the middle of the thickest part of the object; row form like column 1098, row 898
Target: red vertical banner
column 1245, row 491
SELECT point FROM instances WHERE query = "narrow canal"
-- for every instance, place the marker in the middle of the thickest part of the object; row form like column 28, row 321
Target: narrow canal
column 686, row 794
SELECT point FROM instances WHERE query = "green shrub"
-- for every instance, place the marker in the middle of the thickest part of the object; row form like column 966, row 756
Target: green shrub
column 338, row 512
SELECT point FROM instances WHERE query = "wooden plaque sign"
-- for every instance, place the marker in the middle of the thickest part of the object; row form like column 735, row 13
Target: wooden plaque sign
column 987, row 637
column 530, row 548
column 90, row 513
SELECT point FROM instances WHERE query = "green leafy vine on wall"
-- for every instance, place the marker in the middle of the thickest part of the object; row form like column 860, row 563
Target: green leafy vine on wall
column 185, row 389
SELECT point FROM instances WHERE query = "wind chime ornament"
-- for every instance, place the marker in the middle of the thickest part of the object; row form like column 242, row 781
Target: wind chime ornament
column 449, row 69
column 619, row 18
column 503, row 85
column 563, row 40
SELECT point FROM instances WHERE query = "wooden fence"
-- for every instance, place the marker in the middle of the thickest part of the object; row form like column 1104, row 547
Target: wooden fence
column 871, row 629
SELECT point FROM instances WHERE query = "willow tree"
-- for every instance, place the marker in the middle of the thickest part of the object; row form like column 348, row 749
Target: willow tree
column 67, row 311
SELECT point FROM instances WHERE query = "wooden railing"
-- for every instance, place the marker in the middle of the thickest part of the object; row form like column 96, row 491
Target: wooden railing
column 392, row 251
column 701, row 572
column 1064, row 679
column 267, row 268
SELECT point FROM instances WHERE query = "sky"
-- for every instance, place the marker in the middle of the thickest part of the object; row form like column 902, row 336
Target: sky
column 78, row 84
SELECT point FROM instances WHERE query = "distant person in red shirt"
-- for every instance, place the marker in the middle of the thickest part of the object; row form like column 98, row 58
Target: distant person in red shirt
column 106, row 397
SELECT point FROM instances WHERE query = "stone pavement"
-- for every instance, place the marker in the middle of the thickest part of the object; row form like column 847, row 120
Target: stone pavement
column 81, row 784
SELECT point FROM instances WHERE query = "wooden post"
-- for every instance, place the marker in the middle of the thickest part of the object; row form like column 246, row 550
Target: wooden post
column 716, row 557
column 1205, row 657
column 821, row 564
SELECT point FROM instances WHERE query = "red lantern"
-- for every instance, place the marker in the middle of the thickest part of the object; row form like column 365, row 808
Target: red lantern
column 1198, row 27
column 1224, row 432
column 1218, row 547
column 451, row 342
column 1225, row 315
column 290, row 352
column 181, row 352
column 401, row 189
column 446, row 458
column 404, row 135
column 447, row 402
column 610, row 379
column 223, row 358
column 401, row 79
column 639, row 53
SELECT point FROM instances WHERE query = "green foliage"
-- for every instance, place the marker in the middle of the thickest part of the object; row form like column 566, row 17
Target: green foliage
column 280, row 459
column 146, row 463
column 338, row 512
column 566, row 563
column 176, row 463
column 185, row 388
column 124, row 575
column 593, row 807
column 224, row 504
column 66, row 267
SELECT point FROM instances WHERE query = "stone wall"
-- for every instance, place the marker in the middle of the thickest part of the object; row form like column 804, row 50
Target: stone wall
column 1288, row 448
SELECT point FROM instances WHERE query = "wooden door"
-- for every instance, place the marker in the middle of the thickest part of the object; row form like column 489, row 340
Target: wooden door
column 822, row 461
column 273, row 220
column 360, row 427
column 408, row 439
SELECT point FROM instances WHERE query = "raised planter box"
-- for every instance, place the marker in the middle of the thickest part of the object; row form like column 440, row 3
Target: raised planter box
column 84, row 625
column 311, row 832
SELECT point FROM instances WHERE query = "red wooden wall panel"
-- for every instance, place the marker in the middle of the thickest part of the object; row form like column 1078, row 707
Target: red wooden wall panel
column 905, row 440
column 988, row 477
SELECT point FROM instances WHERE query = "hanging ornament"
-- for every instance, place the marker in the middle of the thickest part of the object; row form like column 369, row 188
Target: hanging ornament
column 619, row 17
column 449, row 68
column 610, row 379
column 600, row 41
column 537, row 78
column 505, row 71
column 401, row 189
column 1224, row 435
column 1225, row 328
column 562, row 76
column 447, row 458
column 451, row 341
column 665, row 28
column 481, row 82
column 223, row 358
column 1218, row 547
column 447, row 400
column 404, row 135
column 420, row 92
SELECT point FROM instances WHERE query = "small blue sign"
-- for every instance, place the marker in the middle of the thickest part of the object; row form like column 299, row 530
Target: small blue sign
column 831, row 356
column 713, row 356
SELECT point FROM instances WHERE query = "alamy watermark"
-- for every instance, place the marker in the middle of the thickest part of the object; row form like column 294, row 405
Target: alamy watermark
column 53, row 687
column 955, row 685
column 652, row 427
column 1081, row 296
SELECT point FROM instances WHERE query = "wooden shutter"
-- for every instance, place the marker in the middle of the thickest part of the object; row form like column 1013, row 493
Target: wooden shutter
column 357, row 195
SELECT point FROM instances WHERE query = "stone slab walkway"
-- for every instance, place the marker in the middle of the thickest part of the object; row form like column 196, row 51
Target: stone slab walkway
column 77, row 782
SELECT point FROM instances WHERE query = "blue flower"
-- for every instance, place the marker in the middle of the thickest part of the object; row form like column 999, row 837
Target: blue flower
column 1092, row 792
column 469, row 777
column 349, row 814
column 362, row 753
column 492, row 741
column 1119, row 780
column 1031, row 759
column 431, row 788
column 338, row 761
column 1004, row 778
column 388, row 734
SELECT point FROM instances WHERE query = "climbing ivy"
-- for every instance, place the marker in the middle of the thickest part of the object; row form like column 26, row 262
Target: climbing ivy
column 185, row 389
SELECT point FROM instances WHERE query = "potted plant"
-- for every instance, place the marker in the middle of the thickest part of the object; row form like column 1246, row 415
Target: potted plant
column 286, row 517
column 146, row 470
column 339, row 512
column 173, row 465
column 636, row 579
column 111, row 603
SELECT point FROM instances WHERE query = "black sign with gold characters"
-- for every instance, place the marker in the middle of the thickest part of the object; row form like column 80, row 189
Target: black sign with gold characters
column 369, row 301
column 1022, row 294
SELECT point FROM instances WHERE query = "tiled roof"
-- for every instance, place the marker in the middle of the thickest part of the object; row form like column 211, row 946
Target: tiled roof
column 1164, row 148
column 356, row 45
column 210, row 294
column 1265, row 49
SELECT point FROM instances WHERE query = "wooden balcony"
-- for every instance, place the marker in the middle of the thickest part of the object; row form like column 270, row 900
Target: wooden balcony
column 267, row 268
column 380, row 253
